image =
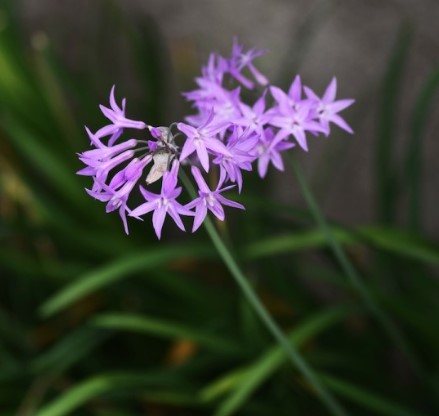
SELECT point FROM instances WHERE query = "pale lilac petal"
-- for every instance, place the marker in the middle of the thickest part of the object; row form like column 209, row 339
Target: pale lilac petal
column 217, row 146
column 217, row 210
column 341, row 105
column 295, row 91
column 336, row 119
column 200, row 180
column 330, row 92
column 188, row 149
column 229, row 203
column 200, row 215
column 113, row 103
column 278, row 163
column 106, row 131
column 144, row 209
column 261, row 79
column 158, row 218
column 301, row 139
column 176, row 217
column 203, row 156
column 311, row 94
column 189, row 131
column 123, row 216
column 263, row 165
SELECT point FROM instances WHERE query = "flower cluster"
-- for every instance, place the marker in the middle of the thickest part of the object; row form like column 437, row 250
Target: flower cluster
column 225, row 133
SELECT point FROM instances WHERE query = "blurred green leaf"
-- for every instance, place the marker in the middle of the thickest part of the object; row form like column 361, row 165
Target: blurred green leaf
column 159, row 327
column 148, row 259
column 44, row 160
column 69, row 350
column 385, row 169
column 97, row 386
column 366, row 399
column 243, row 383
column 383, row 238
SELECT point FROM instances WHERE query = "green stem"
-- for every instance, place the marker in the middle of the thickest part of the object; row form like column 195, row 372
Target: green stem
column 292, row 353
column 349, row 270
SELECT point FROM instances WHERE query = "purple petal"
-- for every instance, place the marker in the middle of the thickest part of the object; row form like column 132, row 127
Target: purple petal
column 203, row 156
column 200, row 180
column 113, row 103
column 330, row 92
column 295, row 91
column 263, row 165
column 301, row 139
column 189, row 131
column 143, row 209
column 200, row 215
column 176, row 217
column 188, row 149
column 158, row 218
column 341, row 105
column 336, row 119
column 229, row 203
column 217, row 210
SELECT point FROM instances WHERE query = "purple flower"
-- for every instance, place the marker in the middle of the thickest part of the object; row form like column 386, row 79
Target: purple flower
column 224, row 130
column 202, row 139
column 163, row 203
column 327, row 108
column 241, row 152
column 269, row 149
column 215, row 68
column 253, row 118
column 118, row 119
column 118, row 191
column 102, row 160
column 293, row 121
column 209, row 200
column 240, row 60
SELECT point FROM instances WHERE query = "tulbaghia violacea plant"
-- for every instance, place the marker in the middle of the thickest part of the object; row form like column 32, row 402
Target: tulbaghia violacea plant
column 225, row 133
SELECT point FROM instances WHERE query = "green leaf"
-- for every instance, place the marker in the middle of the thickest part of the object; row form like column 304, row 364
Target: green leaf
column 147, row 325
column 243, row 382
column 147, row 259
column 366, row 399
column 386, row 172
column 44, row 160
column 69, row 350
column 97, row 386
column 384, row 238
column 401, row 243
column 299, row 240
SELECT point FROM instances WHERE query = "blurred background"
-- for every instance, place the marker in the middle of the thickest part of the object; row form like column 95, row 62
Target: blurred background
column 93, row 322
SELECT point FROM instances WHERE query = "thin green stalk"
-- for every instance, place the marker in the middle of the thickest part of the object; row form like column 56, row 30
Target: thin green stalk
column 327, row 399
column 351, row 273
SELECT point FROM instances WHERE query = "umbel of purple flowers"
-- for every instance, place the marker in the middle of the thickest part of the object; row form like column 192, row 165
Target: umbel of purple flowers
column 224, row 133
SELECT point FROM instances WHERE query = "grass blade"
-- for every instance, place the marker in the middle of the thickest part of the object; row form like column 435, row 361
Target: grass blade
column 246, row 381
column 351, row 273
column 386, row 181
column 162, row 328
column 97, row 386
column 296, row 359
column 98, row 279
column 366, row 399
column 388, row 239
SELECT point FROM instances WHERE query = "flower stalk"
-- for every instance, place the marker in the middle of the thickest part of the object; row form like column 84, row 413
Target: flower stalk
column 292, row 353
